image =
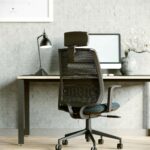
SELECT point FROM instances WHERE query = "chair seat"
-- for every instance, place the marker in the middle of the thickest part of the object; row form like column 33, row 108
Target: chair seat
column 100, row 108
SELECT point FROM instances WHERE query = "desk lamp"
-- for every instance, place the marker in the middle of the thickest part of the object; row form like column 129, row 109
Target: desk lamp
column 44, row 44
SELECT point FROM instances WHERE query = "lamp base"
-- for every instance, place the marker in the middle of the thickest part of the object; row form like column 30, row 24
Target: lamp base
column 41, row 72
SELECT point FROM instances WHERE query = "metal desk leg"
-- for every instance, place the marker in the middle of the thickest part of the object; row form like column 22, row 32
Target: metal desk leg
column 20, row 111
column 27, row 108
column 146, row 107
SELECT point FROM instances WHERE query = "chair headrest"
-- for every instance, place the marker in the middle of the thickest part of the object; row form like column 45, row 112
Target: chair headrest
column 75, row 38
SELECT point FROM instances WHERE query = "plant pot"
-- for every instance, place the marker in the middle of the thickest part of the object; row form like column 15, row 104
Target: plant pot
column 129, row 65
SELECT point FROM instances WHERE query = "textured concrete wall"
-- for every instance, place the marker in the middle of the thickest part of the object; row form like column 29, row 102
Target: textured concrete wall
column 18, row 51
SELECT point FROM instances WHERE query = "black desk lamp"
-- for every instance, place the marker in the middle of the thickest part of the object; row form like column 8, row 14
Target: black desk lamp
column 45, row 43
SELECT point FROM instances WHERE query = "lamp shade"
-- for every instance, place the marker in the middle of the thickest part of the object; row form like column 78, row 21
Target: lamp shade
column 45, row 42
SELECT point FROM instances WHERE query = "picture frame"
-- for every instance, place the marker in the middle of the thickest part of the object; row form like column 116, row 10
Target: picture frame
column 26, row 11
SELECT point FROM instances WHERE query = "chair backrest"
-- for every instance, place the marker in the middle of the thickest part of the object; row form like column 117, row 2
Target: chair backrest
column 81, row 81
column 75, row 38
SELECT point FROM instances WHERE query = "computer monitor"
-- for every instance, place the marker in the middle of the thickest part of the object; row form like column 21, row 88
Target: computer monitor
column 108, row 49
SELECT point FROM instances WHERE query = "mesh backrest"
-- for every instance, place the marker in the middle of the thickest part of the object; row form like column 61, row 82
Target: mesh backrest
column 83, row 63
column 75, row 91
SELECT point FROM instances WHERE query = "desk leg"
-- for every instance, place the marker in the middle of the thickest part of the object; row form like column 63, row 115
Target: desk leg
column 27, row 108
column 146, row 107
column 20, row 111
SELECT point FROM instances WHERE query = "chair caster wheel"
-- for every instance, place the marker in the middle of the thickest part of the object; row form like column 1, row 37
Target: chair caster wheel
column 87, row 138
column 93, row 148
column 119, row 146
column 100, row 141
column 65, row 142
column 58, row 147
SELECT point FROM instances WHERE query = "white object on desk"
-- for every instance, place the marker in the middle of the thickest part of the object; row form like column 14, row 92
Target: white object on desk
column 110, row 74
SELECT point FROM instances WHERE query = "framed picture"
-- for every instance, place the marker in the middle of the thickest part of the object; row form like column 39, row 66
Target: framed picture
column 26, row 10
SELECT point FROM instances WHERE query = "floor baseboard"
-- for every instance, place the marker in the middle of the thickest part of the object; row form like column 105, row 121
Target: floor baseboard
column 60, row 132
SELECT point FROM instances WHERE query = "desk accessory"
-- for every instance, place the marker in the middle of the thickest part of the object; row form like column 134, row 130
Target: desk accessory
column 44, row 44
column 129, row 63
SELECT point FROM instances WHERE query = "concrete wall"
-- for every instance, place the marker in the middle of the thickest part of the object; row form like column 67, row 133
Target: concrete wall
column 19, row 56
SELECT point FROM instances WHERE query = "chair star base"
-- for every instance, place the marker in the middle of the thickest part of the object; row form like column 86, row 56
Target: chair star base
column 88, row 132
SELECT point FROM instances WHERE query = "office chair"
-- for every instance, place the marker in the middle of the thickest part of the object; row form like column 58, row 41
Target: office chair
column 81, row 88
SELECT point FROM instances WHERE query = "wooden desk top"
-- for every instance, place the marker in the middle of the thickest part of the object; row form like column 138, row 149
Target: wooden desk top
column 57, row 77
column 39, row 77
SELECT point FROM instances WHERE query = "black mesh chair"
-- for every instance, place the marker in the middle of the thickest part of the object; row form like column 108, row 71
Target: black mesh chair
column 81, row 88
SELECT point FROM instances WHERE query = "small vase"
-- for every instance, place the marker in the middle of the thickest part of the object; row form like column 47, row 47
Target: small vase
column 129, row 65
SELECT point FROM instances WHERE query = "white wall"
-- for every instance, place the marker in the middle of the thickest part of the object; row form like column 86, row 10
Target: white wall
column 18, row 51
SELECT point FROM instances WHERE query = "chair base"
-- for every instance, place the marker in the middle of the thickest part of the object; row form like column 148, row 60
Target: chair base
column 88, row 132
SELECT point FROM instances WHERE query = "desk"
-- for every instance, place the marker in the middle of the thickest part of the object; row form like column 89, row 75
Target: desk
column 24, row 91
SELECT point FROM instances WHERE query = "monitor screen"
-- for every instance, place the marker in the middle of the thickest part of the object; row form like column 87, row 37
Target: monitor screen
column 108, row 49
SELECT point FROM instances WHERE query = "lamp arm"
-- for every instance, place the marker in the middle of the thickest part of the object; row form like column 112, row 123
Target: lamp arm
column 39, row 50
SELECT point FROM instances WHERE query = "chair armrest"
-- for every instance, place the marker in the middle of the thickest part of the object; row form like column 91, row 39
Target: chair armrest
column 110, row 92
column 81, row 112
column 70, row 110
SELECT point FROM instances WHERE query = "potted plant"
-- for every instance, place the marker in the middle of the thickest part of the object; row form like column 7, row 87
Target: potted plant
column 129, row 64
